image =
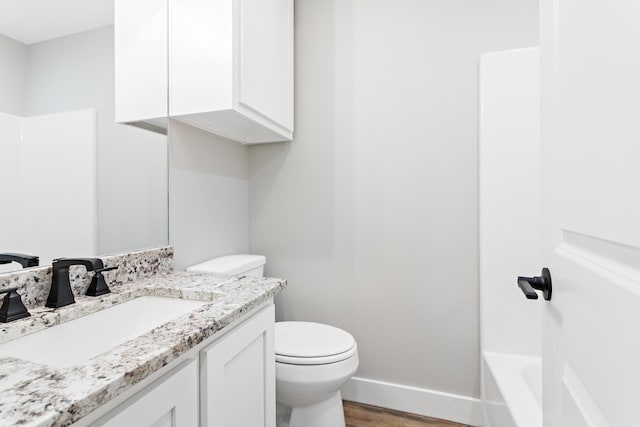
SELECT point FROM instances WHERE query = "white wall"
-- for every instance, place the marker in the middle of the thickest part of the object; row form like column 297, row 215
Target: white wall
column 371, row 212
column 77, row 72
column 510, row 224
column 208, row 194
column 13, row 76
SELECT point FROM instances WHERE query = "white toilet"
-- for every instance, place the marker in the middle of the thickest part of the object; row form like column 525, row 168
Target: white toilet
column 313, row 361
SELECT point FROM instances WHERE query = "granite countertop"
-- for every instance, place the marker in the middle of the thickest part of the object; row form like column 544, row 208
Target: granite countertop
column 33, row 394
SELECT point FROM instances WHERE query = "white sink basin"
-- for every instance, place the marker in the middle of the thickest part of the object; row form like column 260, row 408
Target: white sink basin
column 75, row 342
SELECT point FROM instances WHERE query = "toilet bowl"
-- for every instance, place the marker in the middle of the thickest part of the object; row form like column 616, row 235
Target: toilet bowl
column 313, row 360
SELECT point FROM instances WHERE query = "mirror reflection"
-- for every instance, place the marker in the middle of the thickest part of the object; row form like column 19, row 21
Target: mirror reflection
column 75, row 183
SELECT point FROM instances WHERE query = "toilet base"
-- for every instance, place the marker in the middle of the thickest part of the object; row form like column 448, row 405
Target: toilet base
column 328, row 413
column 283, row 413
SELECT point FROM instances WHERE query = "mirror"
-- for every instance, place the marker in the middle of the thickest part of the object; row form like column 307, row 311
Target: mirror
column 74, row 182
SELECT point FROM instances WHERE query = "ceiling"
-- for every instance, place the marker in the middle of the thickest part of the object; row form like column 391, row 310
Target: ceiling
column 33, row 21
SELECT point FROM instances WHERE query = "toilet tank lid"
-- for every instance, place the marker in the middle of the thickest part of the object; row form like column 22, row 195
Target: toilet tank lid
column 230, row 265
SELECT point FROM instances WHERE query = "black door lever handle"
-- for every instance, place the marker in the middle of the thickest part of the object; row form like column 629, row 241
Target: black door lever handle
column 529, row 285
column 526, row 288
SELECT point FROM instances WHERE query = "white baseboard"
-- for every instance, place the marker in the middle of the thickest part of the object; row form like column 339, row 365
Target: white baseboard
column 421, row 401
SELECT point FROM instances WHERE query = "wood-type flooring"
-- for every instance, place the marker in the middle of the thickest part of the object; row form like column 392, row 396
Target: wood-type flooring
column 360, row 415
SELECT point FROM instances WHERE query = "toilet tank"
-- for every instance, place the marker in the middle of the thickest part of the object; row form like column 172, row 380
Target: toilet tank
column 232, row 265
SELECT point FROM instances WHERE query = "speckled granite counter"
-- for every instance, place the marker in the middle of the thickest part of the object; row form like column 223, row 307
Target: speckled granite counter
column 32, row 394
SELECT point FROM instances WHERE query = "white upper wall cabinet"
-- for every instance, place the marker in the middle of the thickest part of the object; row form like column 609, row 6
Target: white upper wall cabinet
column 229, row 62
column 231, row 67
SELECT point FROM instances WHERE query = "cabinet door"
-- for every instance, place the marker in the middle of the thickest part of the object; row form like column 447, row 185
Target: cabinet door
column 265, row 62
column 231, row 67
column 238, row 376
column 171, row 401
column 141, row 61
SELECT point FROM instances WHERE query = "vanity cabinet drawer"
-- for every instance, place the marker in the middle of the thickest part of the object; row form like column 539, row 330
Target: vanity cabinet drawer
column 171, row 401
column 237, row 376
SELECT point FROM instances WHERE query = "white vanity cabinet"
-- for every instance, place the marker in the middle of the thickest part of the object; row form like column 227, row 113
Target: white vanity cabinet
column 229, row 380
column 229, row 65
column 237, row 376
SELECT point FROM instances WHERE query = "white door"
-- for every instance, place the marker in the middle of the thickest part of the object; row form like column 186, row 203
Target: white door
column 590, row 53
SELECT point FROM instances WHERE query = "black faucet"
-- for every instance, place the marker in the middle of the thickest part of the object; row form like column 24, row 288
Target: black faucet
column 61, row 293
column 24, row 260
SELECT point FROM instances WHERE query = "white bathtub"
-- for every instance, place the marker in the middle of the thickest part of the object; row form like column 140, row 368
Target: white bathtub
column 512, row 390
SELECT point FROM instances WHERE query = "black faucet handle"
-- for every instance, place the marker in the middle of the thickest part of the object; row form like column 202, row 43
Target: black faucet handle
column 98, row 285
column 23, row 259
column 101, row 270
column 12, row 306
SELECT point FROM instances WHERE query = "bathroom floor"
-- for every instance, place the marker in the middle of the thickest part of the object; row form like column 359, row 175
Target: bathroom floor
column 360, row 415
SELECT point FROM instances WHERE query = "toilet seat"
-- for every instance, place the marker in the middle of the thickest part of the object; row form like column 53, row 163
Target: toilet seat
column 309, row 343
column 322, row 360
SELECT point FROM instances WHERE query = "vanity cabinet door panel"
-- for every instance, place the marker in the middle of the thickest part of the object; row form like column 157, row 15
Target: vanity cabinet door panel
column 171, row 401
column 238, row 376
